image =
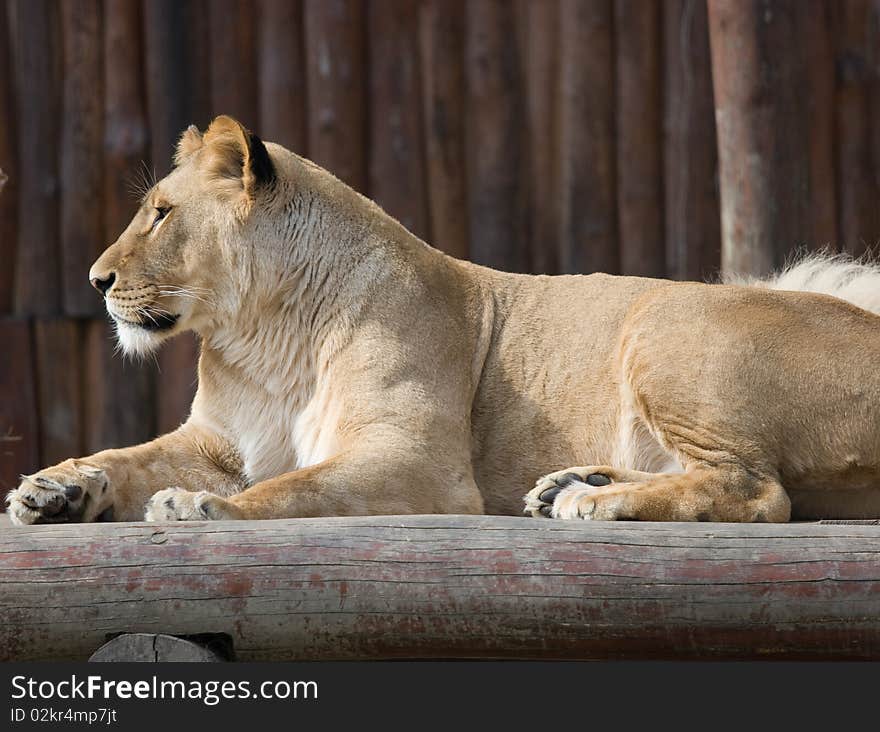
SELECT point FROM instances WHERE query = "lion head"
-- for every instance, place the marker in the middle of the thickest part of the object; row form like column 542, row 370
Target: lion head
column 169, row 271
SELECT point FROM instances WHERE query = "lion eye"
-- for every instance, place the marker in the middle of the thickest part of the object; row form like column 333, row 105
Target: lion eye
column 161, row 213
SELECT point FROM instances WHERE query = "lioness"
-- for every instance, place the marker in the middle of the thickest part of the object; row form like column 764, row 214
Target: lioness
column 348, row 368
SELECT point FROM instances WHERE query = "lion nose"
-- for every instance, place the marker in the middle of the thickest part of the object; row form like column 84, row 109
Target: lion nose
column 102, row 284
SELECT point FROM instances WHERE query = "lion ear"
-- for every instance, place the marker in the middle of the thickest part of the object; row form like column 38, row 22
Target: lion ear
column 190, row 141
column 237, row 157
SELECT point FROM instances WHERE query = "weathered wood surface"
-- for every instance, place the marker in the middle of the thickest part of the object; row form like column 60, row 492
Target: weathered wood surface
column 588, row 213
column 690, row 157
column 639, row 120
column 762, row 117
column 59, row 391
column 442, row 65
column 8, row 167
column 38, row 70
column 154, row 648
column 396, row 163
column 19, row 417
column 497, row 192
column 232, row 26
column 447, row 586
column 335, row 50
column 538, row 25
column 281, row 72
column 82, row 138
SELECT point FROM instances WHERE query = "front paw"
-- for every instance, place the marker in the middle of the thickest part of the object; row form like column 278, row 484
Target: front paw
column 71, row 491
column 177, row 504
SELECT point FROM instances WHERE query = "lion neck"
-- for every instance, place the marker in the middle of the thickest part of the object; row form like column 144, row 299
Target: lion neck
column 294, row 296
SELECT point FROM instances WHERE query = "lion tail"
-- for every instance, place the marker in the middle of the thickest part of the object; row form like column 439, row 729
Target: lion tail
column 855, row 280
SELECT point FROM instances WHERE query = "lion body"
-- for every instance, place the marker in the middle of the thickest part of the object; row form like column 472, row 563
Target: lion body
column 348, row 368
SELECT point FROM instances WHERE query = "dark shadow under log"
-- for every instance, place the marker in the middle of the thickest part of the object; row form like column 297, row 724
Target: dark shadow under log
column 447, row 587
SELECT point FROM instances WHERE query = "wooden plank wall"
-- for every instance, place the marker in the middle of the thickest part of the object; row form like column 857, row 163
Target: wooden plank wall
column 530, row 135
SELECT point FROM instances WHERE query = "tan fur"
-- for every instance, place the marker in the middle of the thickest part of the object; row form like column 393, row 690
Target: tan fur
column 348, row 368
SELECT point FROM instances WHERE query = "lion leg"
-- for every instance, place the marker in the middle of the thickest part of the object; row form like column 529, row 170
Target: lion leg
column 120, row 481
column 702, row 493
column 346, row 485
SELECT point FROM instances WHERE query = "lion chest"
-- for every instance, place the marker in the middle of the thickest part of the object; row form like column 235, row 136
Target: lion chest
column 279, row 434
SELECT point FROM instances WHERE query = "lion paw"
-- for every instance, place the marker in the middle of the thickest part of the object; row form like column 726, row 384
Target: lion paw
column 177, row 504
column 572, row 494
column 71, row 491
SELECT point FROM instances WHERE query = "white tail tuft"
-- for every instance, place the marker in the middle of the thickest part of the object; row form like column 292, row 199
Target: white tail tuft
column 839, row 275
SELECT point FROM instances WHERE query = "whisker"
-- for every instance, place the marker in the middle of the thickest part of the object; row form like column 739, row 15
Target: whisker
column 173, row 291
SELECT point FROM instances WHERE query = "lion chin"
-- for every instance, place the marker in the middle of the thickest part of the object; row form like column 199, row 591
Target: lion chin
column 139, row 340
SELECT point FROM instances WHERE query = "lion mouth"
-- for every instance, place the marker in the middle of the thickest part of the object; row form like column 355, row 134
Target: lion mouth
column 154, row 321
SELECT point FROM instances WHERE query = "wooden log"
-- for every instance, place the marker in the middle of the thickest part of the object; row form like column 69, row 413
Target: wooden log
column 447, row 587
column 119, row 402
column 336, row 81
column 234, row 60
column 692, row 220
column 763, row 137
column 60, row 381
column 38, row 74
column 396, row 163
column 19, row 415
column 82, row 139
column 497, row 192
column 8, row 167
column 539, row 26
column 588, row 225
column 639, row 122
column 442, row 48
column 281, row 65
column 858, row 194
column 154, row 648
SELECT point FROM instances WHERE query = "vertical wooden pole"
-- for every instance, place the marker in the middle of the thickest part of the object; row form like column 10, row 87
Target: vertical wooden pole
column 60, row 381
column 858, row 194
column 442, row 38
column 126, row 142
column 396, row 163
column 874, row 110
column 119, row 402
column 336, row 79
column 539, row 25
column 690, row 157
column 82, row 137
column 19, row 427
column 37, row 266
column 818, row 58
column 588, row 219
column 639, row 132
column 763, row 138
column 8, row 167
column 281, row 64
column 176, row 98
column 120, row 407
column 495, row 141
column 234, row 60
column 175, row 94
